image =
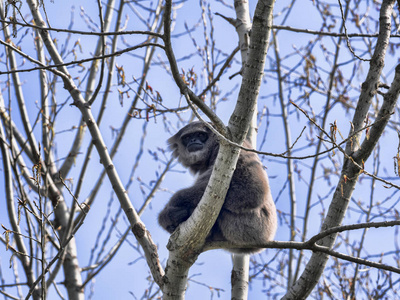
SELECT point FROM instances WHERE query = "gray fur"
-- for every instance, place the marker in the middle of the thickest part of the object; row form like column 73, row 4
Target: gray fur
column 248, row 215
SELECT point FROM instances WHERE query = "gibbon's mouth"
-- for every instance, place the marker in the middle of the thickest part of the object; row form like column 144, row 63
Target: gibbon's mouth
column 194, row 147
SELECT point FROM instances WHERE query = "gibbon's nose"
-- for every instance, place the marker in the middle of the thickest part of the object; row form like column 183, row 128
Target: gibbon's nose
column 194, row 146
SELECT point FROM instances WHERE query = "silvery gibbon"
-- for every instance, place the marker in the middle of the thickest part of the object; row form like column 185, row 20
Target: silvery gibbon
column 248, row 215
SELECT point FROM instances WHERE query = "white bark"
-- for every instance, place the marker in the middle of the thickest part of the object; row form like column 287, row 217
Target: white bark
column 72, row 271
column 70, row 160
column 187, row 241
column 240, row 276
column 243, row 27
column 241, row 263
column 21, row 248
column 350, row 172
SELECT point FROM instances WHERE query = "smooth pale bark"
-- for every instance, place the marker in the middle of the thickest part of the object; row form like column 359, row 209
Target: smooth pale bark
column 21, row 248
column 243, row 26
column 187, row 241
column 241, row 263
column 253, row 70
column 240, row 276
column 77, row 143
column 138, row 227
column 71, row 264
column 354, row 157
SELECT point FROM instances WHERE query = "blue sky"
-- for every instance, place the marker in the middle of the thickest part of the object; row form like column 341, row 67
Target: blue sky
column 125, row 273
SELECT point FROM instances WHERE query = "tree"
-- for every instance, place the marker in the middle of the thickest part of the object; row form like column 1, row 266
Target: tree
column 170, row 64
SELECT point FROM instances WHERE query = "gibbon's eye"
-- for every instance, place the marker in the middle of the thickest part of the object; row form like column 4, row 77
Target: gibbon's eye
column 185, row 139
column 203, row 136
column 194, row 141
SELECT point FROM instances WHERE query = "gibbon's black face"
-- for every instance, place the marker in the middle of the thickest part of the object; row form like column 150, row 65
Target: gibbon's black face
column 194, row 141
column 195, row 146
